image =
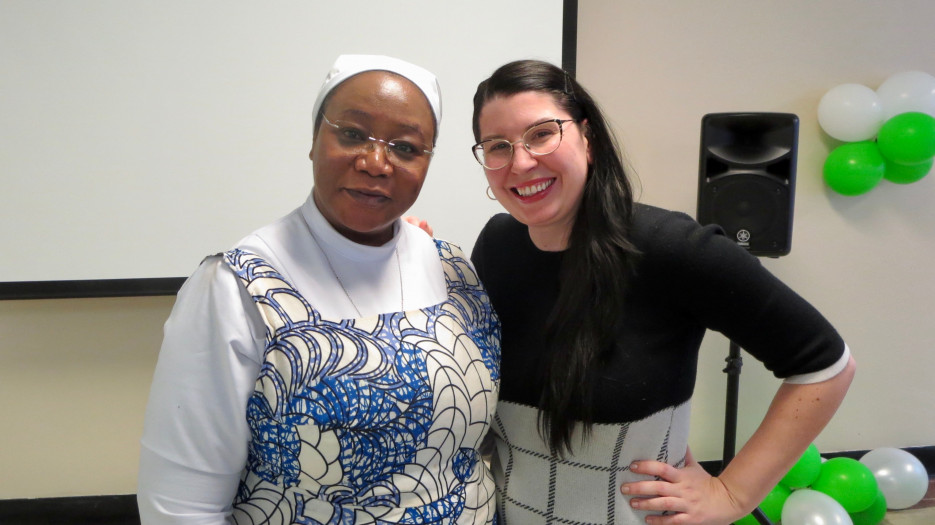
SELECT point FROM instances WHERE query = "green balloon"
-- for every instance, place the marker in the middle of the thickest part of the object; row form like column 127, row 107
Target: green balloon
column 874, row 514
column 854, row 168
column 907, row 173
column 771, row 506
column 908, row 138
column 849, row 482
column 805, row 470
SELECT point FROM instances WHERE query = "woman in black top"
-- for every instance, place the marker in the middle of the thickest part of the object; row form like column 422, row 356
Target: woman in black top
column 603, row 305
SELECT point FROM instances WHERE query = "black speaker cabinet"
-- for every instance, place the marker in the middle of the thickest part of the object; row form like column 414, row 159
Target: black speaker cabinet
column 746, row 180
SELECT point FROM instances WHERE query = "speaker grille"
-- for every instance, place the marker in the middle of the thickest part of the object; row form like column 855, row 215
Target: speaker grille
column 751, row 209
column 746, row 178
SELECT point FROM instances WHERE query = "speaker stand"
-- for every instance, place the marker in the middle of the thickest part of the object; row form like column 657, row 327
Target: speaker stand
column 734, row 364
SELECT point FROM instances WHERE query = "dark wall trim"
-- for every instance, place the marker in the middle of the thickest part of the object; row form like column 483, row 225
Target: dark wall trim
column 90, row 288
column 82, row 510
column 570, row 36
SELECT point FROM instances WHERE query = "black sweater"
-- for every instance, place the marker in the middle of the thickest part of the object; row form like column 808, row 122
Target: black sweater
column 689, row 278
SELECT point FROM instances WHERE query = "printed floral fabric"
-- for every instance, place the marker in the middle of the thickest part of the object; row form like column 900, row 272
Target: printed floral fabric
column 371, row 420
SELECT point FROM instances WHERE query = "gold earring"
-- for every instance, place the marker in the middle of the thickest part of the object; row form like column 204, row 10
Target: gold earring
column 489, row 195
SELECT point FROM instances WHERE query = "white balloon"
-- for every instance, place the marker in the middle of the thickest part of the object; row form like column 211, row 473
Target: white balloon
column 810, row 507
column 908, row 91
column 900, row 475
column 851, row 112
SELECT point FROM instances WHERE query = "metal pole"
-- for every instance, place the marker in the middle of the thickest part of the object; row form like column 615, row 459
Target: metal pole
column 734, row 365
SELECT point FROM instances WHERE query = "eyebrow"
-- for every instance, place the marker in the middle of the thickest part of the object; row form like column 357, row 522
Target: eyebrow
column 358, row 113
column 534, row 124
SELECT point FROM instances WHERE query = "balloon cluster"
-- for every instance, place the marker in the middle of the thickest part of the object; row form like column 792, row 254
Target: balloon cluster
column 845, row 491
column 888, row 133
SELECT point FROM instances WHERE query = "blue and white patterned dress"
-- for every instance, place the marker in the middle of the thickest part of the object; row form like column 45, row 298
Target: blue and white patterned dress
column 371, row 420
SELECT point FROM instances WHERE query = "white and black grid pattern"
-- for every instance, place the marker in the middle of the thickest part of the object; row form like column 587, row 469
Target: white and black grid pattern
column 584, row 487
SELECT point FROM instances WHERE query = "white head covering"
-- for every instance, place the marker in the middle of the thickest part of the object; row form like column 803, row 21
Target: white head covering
column 347, row 66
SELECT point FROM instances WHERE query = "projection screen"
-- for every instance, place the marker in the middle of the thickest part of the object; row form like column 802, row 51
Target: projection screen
column 139, row 137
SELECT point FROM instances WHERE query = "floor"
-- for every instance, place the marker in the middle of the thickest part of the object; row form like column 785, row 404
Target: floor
column 922, row 513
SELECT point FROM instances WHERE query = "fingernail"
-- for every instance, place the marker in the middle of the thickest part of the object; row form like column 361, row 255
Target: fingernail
column 625, row 489
column 635, row 503
column 633, row 467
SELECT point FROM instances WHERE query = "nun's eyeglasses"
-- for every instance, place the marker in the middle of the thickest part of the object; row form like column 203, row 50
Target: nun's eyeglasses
column 400, row 152
column 540, row 139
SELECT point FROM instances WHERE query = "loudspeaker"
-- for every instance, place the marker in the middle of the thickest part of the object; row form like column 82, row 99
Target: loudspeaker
column 746, row 180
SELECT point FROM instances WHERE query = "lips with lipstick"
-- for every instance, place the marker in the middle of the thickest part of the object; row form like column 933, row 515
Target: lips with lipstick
column 532, row 190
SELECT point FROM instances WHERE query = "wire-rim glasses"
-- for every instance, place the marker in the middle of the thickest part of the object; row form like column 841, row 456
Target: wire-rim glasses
column 539, row 139
column 400, row 152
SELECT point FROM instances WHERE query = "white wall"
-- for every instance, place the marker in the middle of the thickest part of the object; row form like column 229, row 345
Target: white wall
column 74, row 378
column 865, row 262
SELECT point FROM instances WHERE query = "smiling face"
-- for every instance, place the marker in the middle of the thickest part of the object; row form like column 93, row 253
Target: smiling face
column 541, row 191
column 362, row 193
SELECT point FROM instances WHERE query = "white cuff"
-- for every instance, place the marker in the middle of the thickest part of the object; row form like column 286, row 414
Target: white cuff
column 821, row 375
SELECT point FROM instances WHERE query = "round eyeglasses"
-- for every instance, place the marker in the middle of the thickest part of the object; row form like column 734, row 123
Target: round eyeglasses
column 540, row 139
column 400, row 152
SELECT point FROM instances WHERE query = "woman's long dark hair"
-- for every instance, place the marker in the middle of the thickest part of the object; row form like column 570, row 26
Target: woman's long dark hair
column 581, row 329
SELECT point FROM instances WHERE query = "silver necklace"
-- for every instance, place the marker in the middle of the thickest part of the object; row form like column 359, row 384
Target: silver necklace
column 399, row 269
